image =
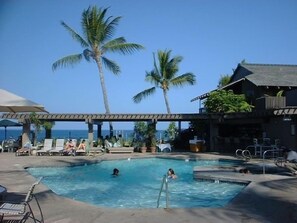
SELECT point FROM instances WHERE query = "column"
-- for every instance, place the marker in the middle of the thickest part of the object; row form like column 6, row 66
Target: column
column 26, row 132
column 90, row 132
column 99, row 130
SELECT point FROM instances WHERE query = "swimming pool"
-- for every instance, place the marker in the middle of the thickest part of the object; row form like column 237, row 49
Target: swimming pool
column 138, row 184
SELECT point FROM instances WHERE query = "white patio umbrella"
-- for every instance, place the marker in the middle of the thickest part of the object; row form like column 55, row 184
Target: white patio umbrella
column 10, row 102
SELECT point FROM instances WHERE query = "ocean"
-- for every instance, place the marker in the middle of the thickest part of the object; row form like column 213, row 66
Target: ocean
column 71, row 134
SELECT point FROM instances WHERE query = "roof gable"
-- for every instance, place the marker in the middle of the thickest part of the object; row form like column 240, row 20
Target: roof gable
column 267, row 74
column 262, row 75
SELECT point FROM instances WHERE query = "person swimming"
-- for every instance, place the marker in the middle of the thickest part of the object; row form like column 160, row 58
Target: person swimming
column 171, row 174
column 115, row 172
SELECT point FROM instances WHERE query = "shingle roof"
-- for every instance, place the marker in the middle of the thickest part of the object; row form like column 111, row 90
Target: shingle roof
column 272, row 74
column 277, row 75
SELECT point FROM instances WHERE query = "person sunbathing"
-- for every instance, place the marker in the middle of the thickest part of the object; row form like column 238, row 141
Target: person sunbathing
column 25, row 150
column 82, row 145
column 69, row 147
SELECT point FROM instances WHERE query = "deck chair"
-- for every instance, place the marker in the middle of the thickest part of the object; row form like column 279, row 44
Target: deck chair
column 20, row 212
column 47, row 146
column 58, row 149
column 25, row 150
column 81, row 151
column 70, row 151
column 8, row 145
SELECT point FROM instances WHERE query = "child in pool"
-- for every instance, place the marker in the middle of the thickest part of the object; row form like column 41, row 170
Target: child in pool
column 171, row 174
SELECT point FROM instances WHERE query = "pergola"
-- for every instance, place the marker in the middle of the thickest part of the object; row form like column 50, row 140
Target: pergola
column 98, row 119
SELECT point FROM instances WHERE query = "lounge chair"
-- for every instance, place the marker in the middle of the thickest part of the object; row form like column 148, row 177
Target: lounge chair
column 95, row 150
column 47, row 146
column 164, row 147
column 70, row 147
column 107, row 144
column 20, row 212
column 58, row 149
column 80, row 151
column 8, row 145
column 25, row 150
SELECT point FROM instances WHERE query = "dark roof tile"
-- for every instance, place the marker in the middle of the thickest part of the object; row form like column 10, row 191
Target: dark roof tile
column 272, row 74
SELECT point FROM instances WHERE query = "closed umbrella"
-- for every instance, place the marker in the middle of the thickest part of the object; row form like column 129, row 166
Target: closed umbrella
column 7, row 123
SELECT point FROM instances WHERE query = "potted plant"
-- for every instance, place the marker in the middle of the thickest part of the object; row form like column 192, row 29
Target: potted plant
column 151, row 133
column 127, row 142
column 143, row 147
column 140, row 135
column 153, row 144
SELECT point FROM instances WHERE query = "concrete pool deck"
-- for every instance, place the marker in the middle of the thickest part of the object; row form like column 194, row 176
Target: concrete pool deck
column 268, row 198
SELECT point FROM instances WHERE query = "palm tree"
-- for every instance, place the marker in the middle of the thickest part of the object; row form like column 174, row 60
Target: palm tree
column 164, row 76
column 37, row 126
column 224, row 80
column 96, row 39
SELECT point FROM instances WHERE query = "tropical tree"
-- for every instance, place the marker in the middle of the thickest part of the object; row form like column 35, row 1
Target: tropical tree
column 140, row 133
column 164, row 76
column 96, row 40
column 171, row 131
column 48, row 127
column 224, row 80
column 226, row 101
column 38, row 124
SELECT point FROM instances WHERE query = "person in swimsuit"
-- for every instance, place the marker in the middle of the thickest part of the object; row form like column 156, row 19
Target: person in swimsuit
column 171, row 174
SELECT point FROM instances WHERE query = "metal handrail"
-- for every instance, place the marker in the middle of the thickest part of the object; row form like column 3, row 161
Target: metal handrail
column 238, row 151
column 164, row 181
column 266, row 151
column 246, row 154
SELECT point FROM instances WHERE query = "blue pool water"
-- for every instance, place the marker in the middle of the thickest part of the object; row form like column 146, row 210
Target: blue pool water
column 138, row 184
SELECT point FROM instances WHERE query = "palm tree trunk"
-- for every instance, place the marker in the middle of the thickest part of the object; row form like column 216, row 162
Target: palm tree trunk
column 104, row 92
column 48, row 133
column 166, row 101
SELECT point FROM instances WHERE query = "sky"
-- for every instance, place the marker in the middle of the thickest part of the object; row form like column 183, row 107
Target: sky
column 212, row 36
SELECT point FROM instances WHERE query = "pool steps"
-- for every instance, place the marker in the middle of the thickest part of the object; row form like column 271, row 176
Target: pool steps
column 221, row 174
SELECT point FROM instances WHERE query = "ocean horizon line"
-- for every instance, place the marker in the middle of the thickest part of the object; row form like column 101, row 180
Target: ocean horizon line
column 70, row 133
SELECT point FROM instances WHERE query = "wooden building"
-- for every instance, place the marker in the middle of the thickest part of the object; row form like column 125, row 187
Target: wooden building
column 272, row 90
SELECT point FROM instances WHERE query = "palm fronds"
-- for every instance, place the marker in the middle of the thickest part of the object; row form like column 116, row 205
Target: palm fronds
column 153, row 78
column 121, row 46
column 70, row 60
column 164, row 75
column 138, row 98
column 187, row 78
column 75, row 35
column 110, row 28
column 111, row 65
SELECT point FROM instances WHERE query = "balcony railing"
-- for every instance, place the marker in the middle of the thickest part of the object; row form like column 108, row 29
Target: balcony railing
column 270, row 102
